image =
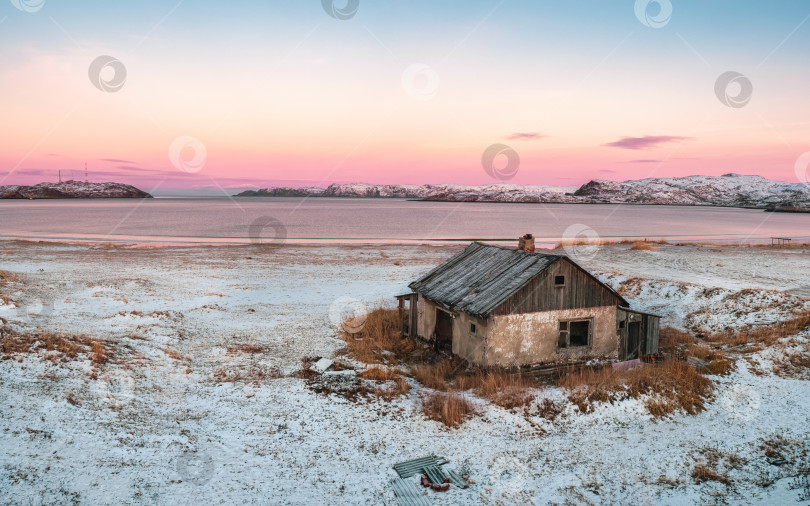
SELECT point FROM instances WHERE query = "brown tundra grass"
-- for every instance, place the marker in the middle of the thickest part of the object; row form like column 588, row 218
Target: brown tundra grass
column 451, row 409
column 381, row 333
column 670, row 385
column 643, row 246
column 11, row 277
column 65, row 345
column 679, row 343
column 500, row 387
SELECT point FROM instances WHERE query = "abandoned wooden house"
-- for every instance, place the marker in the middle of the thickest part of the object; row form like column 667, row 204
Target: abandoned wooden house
column 498, row 306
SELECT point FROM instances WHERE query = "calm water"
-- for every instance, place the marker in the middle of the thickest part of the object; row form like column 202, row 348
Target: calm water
column 213, row 220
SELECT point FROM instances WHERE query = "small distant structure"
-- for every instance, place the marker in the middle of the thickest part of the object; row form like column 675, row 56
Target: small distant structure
column 60, row 175
column 781, row 241
column 497, row 306
column 86, row 180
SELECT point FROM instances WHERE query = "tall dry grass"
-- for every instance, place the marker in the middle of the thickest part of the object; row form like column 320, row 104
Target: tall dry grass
column 452, row 409
column 668, row 386
column 682, row 344
column 380, row 340
column 764, row 334
column 643, row 246
column 500, row 387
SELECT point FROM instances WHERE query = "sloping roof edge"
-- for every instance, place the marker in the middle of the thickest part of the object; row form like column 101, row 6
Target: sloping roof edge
column 449, row 263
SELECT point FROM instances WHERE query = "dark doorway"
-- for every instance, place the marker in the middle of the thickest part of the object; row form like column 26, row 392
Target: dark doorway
column 633, row 339
column 444, row 331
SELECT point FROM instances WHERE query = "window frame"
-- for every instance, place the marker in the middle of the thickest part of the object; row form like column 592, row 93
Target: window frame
column 564, row 329
column 559, row 285
column 473, row 329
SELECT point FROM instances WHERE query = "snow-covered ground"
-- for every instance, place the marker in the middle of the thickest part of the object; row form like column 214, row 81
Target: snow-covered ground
column 157, row 426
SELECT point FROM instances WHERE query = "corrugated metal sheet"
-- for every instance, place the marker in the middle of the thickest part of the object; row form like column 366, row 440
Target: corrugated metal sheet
column 457, row 480
column 415, row 466
column 481, row 277
column 435, row 474
column 408, row 493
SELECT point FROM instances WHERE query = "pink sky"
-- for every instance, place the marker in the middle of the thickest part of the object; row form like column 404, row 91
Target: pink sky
column 336, row 105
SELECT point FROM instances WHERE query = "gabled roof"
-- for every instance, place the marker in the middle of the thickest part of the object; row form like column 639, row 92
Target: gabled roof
column 481, row 277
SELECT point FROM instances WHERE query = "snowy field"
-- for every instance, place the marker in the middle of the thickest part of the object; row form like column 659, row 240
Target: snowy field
column 158, row 424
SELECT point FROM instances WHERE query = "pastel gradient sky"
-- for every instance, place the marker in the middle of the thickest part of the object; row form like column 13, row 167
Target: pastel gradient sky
column 280, row 93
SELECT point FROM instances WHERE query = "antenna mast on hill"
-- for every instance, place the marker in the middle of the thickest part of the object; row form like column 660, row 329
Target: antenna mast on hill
column 85, row 173
column 60, row 175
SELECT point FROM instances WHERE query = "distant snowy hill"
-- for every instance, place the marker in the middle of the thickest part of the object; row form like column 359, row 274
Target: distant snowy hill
column 72, row 190
column 729, row 190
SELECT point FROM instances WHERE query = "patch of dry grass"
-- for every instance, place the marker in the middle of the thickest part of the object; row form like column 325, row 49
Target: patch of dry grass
column 451, row 409
column 499, row 387
column 437, row 375
column 11, row 277
column 682, row 344
column 702, row 473
column 380, row 374
column 669, row 385
column 255, row 375
column 98, row 353
column 380, row 340
column 643, row 246
column 66, row 346
column 245, row 348
column 630, row 287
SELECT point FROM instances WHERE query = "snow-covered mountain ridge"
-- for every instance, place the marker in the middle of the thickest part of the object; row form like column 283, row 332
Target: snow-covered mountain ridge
column 729, row 190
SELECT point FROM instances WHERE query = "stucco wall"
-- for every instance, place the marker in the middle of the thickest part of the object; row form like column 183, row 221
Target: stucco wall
column 531, row 338
column 466, row 345
column 470, row 347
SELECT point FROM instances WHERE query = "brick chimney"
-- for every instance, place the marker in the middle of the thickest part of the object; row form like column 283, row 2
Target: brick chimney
column 526, row 243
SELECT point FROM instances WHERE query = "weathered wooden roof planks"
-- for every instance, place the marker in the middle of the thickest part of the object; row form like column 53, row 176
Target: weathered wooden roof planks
column 481, row 277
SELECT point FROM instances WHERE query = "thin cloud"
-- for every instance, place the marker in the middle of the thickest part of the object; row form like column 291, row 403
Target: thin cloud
column 525, row 136
column 115, row 160
column 138, row 169
column 645, row 161
column 646, row 142
column 607, row 171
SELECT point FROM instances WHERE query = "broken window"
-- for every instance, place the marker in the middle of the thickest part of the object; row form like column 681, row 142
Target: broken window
column 559, row 280
column 472, row 328
column 579, row 333
column 574, row 333
column 563, row 343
